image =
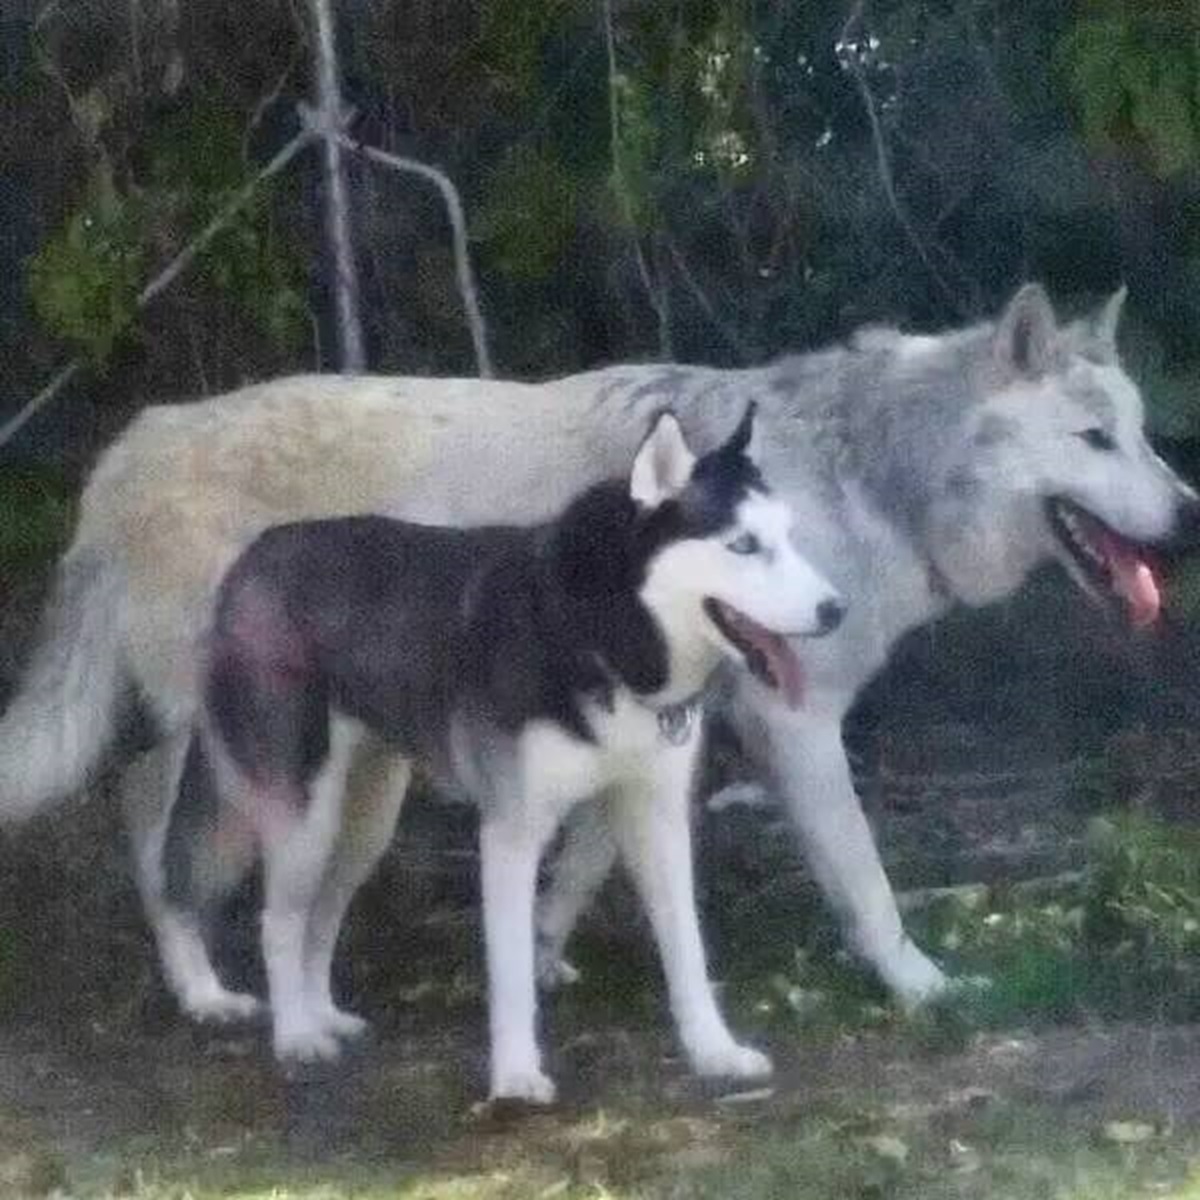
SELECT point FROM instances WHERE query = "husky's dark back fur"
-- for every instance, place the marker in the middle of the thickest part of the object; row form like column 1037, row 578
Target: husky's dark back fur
column 404, row 627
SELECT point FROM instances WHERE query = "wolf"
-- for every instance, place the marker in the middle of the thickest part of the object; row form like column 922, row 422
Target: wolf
column 926, row 471
column 530, row 669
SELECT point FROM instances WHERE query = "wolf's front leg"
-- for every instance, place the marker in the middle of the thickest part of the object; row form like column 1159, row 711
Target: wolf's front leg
column 510, row 848
column 651, row 821
column 803, row 756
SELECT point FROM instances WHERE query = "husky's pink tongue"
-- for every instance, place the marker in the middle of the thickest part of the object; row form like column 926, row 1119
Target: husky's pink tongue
column 1132, row 580
column 790, row 675
column 782, row 664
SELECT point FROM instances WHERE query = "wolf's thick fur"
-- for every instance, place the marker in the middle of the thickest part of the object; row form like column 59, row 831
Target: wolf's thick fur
column 919, row 468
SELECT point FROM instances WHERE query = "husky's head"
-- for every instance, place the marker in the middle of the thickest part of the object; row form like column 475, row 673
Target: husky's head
column 1053, row 463
column 721, row 572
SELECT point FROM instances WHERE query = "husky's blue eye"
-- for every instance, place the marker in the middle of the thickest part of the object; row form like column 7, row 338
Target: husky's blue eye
column 1099, row 439
column 745, row 543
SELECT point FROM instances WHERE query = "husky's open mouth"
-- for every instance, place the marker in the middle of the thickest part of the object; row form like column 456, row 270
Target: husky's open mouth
column 1108, row 566
column 768, row 655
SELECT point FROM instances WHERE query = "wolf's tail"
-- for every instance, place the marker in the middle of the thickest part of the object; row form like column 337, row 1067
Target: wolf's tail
column 64, row 714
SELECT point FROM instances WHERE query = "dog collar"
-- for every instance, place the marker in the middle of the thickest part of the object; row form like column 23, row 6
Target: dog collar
column 676, row 721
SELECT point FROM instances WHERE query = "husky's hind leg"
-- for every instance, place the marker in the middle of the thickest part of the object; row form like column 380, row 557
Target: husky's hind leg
column 375, row 792
column 149, row 789
column 299, row 826
column 583, row 862
column 651, row 820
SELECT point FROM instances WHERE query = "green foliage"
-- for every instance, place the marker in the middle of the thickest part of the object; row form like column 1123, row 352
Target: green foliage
column 1145, row 894
column 85, row 280
column 1133, row 70
column 528, row 215
column 197, row 165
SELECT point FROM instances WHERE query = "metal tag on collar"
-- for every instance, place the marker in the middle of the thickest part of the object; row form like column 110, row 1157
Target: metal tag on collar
column 675, row 722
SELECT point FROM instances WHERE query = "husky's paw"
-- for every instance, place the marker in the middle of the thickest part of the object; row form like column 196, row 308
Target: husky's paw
column 306, row 1045
column 731, row 1061
column 553, row 971
column 529, row 1086
column 223, row 1008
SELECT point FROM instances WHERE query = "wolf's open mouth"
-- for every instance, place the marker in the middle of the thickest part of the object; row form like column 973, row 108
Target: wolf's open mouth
column 767, row 654
column 1106, row 565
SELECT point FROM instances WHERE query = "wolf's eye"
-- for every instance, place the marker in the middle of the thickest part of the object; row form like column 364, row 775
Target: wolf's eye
column 1099, row 439
column 745, row 543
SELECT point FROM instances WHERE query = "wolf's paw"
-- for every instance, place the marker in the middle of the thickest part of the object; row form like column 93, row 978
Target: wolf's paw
column 306, row 1045
column 343, row 1024
column 913, row 978
column 731, row 1061
column 529, row 1086
column 553, row 971
column 223, row 1008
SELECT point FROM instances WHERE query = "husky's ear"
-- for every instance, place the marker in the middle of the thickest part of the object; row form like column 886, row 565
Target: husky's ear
column 663, row 464
column 1026, row 334
column 746, row 439
column 1104, row 325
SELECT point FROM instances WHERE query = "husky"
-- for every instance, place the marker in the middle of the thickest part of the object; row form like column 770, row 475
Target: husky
column 925, row 471
column 529, row 669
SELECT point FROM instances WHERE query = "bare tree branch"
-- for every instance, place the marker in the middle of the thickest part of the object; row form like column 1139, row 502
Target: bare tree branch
column 337, row 203
column 458, row 226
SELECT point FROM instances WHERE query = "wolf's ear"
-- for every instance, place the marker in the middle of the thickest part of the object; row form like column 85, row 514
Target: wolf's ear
column 1025, row 335
column 663, row 464
column 1104, row 325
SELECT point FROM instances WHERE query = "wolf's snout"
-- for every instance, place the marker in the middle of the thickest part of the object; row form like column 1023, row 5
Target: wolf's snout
column 830, row 613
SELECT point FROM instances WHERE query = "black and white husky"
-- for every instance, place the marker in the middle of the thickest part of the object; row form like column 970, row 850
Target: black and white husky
column 531, row 668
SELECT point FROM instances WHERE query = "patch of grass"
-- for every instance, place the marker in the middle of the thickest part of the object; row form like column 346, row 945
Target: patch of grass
column 950, row 1153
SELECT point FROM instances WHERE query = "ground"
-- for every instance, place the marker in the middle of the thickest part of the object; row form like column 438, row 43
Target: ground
column 1075, row 1076
column 1042, row 1086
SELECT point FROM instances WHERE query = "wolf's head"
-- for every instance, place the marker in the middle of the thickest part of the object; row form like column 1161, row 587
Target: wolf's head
column 1053, row 463
column 720, row 571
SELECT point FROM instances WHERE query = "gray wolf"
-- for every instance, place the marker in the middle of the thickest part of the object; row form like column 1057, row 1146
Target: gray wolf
column 925, row 471
column 528, row 668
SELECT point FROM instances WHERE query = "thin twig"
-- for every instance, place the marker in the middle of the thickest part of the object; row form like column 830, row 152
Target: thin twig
column 886, row 178
column 614, row 132
column 13, row 425
column 240, row 198
column 724, row 328
column 458, row 225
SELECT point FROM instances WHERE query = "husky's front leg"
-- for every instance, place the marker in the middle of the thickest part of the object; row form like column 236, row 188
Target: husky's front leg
column 511, row 842
column 803, row 754
column 651, row 821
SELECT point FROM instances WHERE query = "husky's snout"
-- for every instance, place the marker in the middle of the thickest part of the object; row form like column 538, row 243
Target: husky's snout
column 830, row 614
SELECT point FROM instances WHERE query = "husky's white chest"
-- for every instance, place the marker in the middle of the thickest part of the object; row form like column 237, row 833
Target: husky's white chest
column 557, row 768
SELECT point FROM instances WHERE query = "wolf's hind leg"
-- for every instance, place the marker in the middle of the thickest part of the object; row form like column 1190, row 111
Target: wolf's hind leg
column 584, row 861
column 375, row 790
column 148, row 790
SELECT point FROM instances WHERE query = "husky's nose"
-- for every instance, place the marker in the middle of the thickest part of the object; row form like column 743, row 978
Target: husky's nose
column 1185, row 537
column 829, row 615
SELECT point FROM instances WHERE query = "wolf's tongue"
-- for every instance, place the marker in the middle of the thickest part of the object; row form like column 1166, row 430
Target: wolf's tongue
column 1132, row 579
